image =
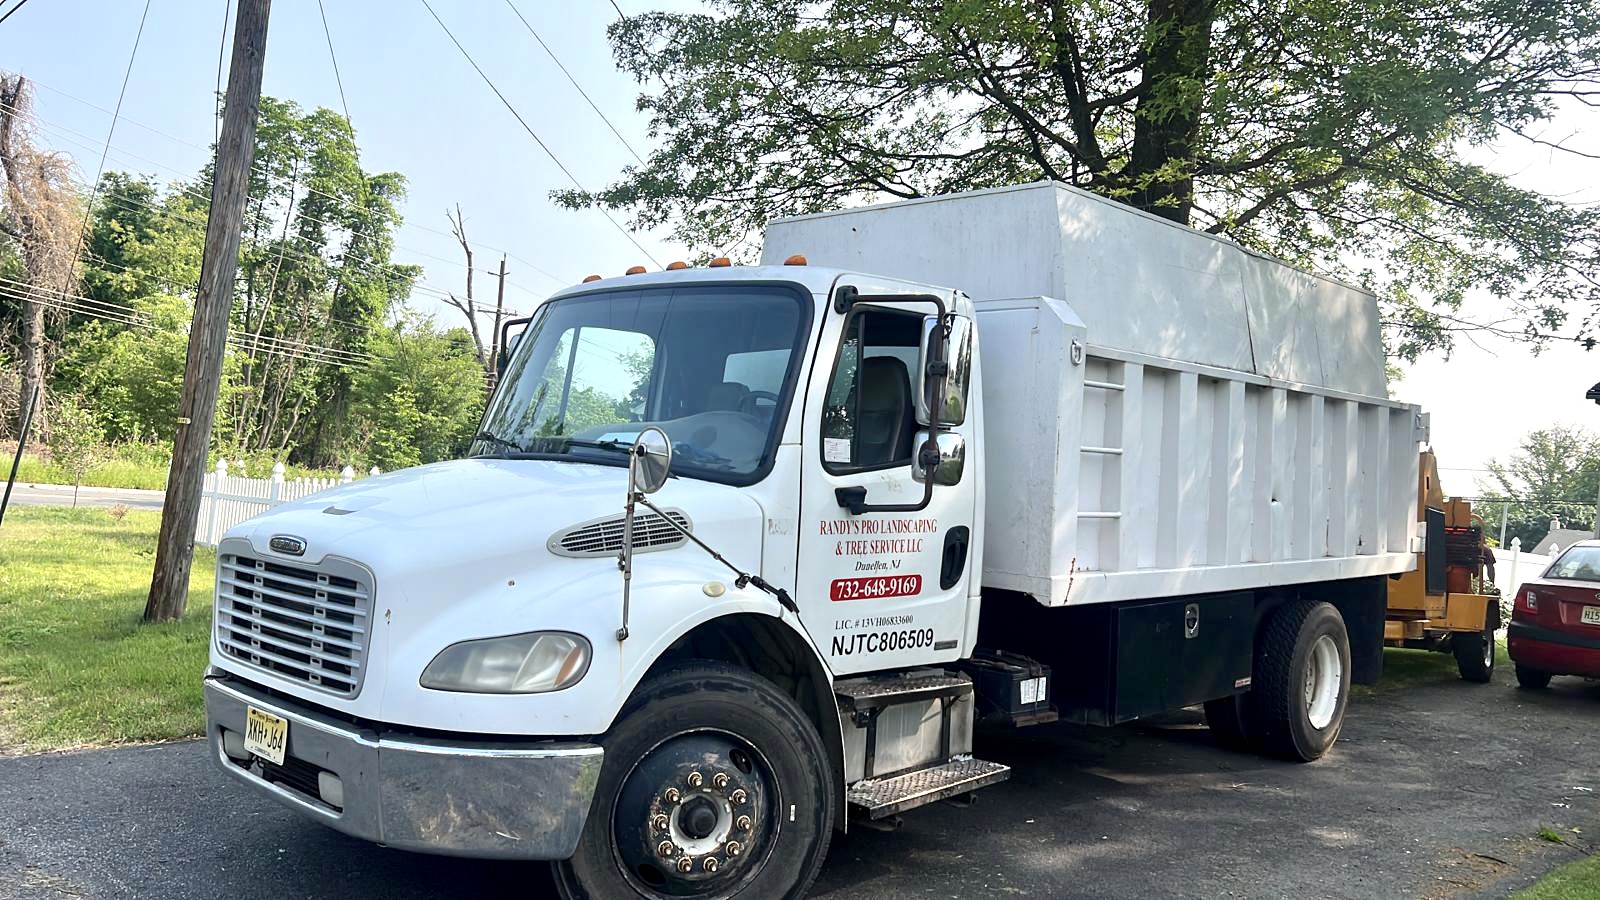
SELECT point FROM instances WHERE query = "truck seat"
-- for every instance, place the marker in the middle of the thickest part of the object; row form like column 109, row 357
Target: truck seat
column 883, row 433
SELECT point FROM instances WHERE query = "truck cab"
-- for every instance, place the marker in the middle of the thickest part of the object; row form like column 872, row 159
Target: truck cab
column 440, row 658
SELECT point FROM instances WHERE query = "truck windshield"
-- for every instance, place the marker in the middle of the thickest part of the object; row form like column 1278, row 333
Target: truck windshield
column 709, row 365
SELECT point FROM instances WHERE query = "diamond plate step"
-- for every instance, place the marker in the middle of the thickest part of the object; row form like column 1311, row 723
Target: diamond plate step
column 880, row 797
column 886, row 690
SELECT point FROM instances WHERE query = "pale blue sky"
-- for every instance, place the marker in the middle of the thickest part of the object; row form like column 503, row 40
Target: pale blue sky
column 419, row 109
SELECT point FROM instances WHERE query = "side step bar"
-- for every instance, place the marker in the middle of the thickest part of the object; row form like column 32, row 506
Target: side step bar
column 880, row 797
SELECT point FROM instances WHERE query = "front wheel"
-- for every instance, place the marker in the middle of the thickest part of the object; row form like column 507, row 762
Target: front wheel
column 715, row 784
column 1301, row 681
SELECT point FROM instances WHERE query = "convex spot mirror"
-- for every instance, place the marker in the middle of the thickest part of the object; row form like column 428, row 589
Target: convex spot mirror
column 651, row 461
column 952, row 407
column 952, row 458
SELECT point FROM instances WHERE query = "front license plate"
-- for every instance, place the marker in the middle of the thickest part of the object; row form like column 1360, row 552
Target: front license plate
column 1591, row 615
column 265, row 735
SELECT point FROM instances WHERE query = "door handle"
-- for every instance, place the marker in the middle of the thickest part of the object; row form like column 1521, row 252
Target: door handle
column 955, row 556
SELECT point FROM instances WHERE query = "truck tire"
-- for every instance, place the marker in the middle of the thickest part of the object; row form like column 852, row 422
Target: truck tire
column 1474, row 652
column 1532, row 679
column 1301, row 681
column 1229, row 721
column 715, row 784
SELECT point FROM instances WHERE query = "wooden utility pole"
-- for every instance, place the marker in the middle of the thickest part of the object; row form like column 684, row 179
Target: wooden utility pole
column 493, row 365
column 208, row 335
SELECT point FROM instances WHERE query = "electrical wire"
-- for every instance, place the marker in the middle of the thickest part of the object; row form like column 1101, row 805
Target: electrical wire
column 533, row 134
column 13, row 11
column 335, row 59
column 222, row 46
column 127, row 73
column 585, row 94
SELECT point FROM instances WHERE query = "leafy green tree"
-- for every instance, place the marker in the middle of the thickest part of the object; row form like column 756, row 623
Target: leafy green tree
column 132, row 377
column 75, row 441
column 1554, row 474
column 420, row 400
column 1328, row 132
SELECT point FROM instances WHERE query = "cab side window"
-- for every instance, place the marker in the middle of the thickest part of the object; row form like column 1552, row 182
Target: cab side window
column 870, row 414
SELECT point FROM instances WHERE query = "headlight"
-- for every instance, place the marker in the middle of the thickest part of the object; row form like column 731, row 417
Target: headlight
column 515, row 664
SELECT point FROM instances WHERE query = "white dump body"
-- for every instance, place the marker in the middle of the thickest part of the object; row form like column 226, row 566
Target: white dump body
column 1141, row 283
column 1165, row 414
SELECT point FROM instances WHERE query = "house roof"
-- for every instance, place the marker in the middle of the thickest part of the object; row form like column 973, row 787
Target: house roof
column 1563, row 538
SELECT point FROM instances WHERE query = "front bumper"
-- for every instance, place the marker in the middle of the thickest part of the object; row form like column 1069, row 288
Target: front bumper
column 487, row 799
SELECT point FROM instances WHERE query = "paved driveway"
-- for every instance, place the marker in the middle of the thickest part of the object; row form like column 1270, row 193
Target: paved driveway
column 1435, row 791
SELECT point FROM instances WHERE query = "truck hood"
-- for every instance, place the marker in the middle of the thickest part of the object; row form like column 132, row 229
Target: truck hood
column 470, row 510
column 462, row 550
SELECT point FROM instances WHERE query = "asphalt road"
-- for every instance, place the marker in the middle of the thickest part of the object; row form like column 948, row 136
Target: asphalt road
column 61, row 495
column 1434, row 791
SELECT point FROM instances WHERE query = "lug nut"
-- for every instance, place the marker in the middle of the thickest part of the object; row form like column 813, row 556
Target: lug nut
column 733, row 848
column 672, row 795
column 659, row 822
column 720, row 779
column 711, row 864
column 737, row 796
column 744, row 824
column 694, row 779
column 685, row 864
column 664, row 849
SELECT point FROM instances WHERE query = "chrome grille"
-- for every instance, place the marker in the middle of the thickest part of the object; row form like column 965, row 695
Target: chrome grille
column 603, row 537
column 307, row 623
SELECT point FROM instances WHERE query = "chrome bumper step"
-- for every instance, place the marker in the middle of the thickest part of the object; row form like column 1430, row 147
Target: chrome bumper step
column 877, row 798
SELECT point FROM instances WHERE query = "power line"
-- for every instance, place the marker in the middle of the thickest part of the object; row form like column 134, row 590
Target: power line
column 533, row 134
column 575, row 84
column 13, row 11
column 127, row 73
column 335, row 59
column 258, row 168
column 222, row 46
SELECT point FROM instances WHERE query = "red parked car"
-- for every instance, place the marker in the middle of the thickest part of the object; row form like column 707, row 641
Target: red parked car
column 1555, row 623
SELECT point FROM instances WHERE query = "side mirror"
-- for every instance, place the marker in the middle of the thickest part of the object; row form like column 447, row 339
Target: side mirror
column 509, row 341
column 952, row 407
column 952, row 458
column 650, row 461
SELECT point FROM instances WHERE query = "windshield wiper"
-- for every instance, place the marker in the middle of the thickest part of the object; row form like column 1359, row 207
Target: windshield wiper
column 496, row 440
column 567, row 443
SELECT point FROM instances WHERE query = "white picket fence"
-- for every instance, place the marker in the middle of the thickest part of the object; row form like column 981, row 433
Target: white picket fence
column 226, row 500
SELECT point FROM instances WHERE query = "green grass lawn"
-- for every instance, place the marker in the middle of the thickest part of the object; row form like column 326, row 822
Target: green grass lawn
column 1403, row 668
column 138, row 466
column 77, row 666
column 1575, row 881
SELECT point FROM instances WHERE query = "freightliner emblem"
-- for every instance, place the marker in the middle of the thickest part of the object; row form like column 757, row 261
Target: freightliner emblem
column 287, row 544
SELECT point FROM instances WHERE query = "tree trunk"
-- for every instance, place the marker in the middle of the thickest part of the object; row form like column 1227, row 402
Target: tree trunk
column 1176, row 75
column 13, row 99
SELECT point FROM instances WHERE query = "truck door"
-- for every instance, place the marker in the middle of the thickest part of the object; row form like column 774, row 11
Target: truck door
column 884, row 589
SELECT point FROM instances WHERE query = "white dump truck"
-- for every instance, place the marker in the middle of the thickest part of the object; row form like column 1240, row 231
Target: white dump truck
column 744, row 554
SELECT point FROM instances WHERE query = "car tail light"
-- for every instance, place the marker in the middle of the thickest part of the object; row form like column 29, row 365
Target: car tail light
column 1530, row 601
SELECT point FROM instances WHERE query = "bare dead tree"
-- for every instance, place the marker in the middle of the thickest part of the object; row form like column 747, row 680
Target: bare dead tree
column 466, row 305
column 42, row 215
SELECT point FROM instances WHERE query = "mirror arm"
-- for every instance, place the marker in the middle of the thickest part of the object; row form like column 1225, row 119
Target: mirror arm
column 742, row 578
column 505, row 327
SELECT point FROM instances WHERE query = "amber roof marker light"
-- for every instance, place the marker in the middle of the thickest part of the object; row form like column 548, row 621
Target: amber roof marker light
column 795, row 260
column 721, row 262
column 590, row 278
column 634, row 270
column 675, row 266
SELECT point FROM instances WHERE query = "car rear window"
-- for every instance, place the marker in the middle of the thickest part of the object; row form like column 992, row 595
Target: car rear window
column 1577, row 564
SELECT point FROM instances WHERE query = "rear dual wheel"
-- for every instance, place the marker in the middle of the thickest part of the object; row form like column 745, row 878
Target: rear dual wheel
column 1299, row 688
column 715, row 784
